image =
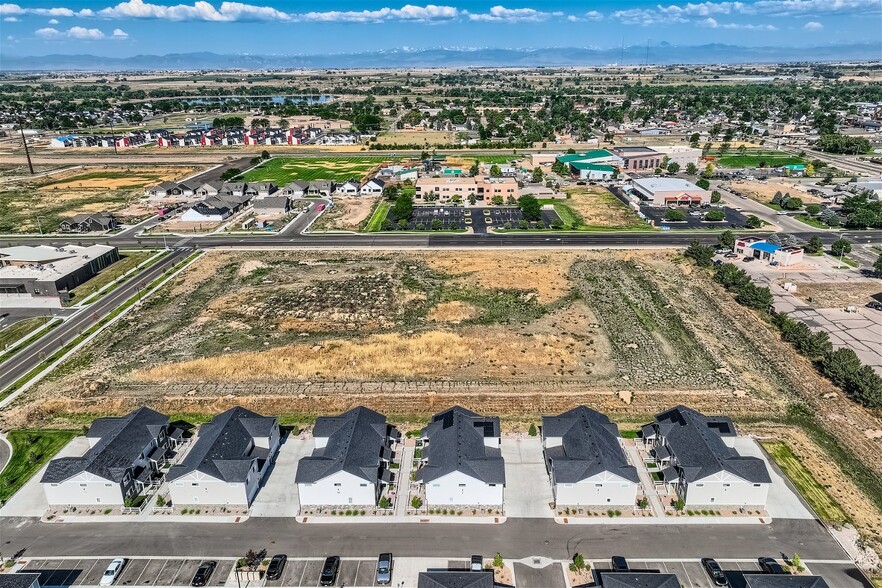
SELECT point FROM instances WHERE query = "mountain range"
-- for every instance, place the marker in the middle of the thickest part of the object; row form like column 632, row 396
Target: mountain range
column 662, row 54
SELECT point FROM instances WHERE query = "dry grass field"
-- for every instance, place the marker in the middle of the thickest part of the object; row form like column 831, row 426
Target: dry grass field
column 836, row 294
column 347, row 214
column 765, row 192
column 416, row 138
column 598, row 207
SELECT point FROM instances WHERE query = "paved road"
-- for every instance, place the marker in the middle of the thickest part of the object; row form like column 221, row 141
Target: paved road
column 517, row 538
column 5, row 453
column 28, row 358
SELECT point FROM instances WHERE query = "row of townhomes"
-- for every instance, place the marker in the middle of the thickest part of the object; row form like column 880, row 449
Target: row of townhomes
column 232, row 137
column 355, row 459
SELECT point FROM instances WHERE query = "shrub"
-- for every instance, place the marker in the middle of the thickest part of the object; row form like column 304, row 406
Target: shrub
column 675, row 215
column 701, row 254
column 715, row 215
column 532, row 432
column 160, row 501
column 754, row 222
column 813, row 209
column 754, row 297
column 703, row 183
column 643, row 503
column 385, row 502
column 497, row 560
column 416, row 502
column 792, row 204
column 679, row 504
column 840, row 247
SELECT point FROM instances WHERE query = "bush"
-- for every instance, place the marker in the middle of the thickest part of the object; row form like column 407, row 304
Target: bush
column 716, row 197
column 754, row 222
column 160, row 501
column 416, row 502
column 754, row 297
column 813, row 209
column 840, row 247
column 701, row 254
column 532, row 432
column 792, row 204
column 703, row 183
column 675, row 215
column 731, row 277
column 384, row 502
column 715, row 215
column 497, row 560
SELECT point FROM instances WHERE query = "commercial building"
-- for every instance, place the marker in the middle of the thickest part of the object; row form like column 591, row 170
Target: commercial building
column 597, row 164
column 585, row 460
column 669, row 191
column 639, row 158
column 699, row 461
column 350, row 462
column 43, row 275
column 226, row 464
column 679, row 154
column 763, row 250
column 483, row 188
column 124, row 457
column 462, row 459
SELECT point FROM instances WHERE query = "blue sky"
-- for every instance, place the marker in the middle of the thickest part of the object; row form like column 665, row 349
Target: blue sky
column 131, row 27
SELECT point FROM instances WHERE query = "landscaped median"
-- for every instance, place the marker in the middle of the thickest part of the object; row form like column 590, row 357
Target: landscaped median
column 112, row 276
column 23, row 333
column 30, row 450
column 49, row 361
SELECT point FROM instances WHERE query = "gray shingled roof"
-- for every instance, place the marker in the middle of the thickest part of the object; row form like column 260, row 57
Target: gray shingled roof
column 18, row 580
column 456, row 443
column 122, row 439
column 271, row 202
column 224, row 449
column 783, row 581
column 455, row 580
column 590, row 445
column 638, row 580
column 355, row 441
column 696, row 442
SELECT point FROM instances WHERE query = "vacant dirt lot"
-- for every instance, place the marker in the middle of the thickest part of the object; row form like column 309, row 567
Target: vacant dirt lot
column 765, row 192
column 347, row 214
column 836, row 294
column 416, row 138
column 599, row 208
column 104, row 178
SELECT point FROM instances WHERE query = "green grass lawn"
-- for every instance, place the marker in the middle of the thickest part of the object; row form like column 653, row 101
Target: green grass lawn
column 811, row 490
column 127, row 261
column 282, row 170
column 30, row 450
column 16, row 331
column 756, row 158
column 375, row 223
column 847, row 261
column 811, row 221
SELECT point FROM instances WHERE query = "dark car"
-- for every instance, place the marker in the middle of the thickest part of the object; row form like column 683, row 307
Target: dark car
column 384, row 568
column 769, row 566
column 477, row 563
column 203, row 574
column 276, row 567
column 715, row 572
column 874, row 305
column 748, row 259
column 619, row 564
column 329, row 571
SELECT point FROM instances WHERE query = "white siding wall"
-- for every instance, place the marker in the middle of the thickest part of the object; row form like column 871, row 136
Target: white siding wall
column 82, row 490
column 198, row 488
column 460, row 489
column 600, row 490
column 339, row 489
column 729, row 491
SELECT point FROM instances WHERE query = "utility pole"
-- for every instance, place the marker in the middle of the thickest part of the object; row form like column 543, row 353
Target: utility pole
column 25, row 143
column 113, row 135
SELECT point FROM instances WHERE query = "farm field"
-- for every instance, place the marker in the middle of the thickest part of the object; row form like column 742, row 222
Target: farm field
column 759, row 159
column 282, row 170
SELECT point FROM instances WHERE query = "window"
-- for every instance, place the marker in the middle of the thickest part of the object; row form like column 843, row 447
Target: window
column 83, row 485
column 195, row 484
column 700, row 485
column 57, row 485
column 363, row 485
column 598, row 485
column 462, row 485
column 492, row 485
column 338, row 484
column 726, row 485
column 108, row 485
column 757, row 485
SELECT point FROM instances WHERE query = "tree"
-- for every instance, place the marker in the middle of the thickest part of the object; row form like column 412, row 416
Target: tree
column 726, row 240
column 877, row 265
column 809, row 169
column 841, row 366
column 264, row 154
column 437, row 225
column 497, row 200
column 283, row 123
column 861, row 219
column 708, row 170
column 716, row 196
column 675, row 215
column 813, row 209
column 391, row 192
column 703, row 183
column 754, row 222
column 814, row 245
column 402, row 223
column 792, row 204
column 523, row 224
column 537, row 175
column 715, row 215
column 403, row 208
column 578, row 563
column 754, row 297
column 475, row 169
column 694, row 138
column 691, row 169
column 472, row 199
column 495, row 172
column 673, row 167
column 559, row 168
column 703, row 255
column 796, row 561
column 530, row 208
column 731, row 277
column 230, row 174
column 840, row 247
column 532, row 432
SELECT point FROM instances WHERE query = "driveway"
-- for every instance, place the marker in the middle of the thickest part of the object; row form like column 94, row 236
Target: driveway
column 278, row 497
column 551, row 576
column 527, row 487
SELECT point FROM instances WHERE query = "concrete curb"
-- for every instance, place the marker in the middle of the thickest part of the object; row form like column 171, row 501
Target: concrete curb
column 686, row 520
column 369, row 520
column 8, row 444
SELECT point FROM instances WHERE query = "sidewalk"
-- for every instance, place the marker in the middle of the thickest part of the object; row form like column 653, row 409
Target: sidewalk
column 402, row 482
column 655, row 503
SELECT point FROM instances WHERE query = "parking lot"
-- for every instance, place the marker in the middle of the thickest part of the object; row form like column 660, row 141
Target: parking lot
column 734, row 219
column 137, row 572
column 690, row 573
column 478, row 218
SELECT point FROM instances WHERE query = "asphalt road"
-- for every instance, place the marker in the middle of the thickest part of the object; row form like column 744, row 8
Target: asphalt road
column 28, row 358
column 516, row 538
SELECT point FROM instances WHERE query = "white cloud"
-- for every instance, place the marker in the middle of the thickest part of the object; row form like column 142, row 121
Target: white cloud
column 11, row 9
column 11, row 19
column 593, row 15
column 84, row 33
column 48, row 33
column 53, row 21
column 813, row 26
column 408, row 12
column 709, row 22
column 119, row 34
column 689, row 12
column 749, row 27
column 503, row 14
column 78, row 33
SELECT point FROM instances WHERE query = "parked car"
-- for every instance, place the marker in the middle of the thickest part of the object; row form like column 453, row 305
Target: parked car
column 715, row 572
column 384, row 568
column 203, row 574
column 619, row 563
column 276, row 567
column 769, row 566
column 477, row 564
column 329, row 571
column 112, row 572
column 731, row 255
column 874, row 305
column 748, row 259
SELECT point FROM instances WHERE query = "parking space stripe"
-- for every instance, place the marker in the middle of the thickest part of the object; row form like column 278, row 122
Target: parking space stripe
column 85, row 575
column 302, row 574
column 686, row 573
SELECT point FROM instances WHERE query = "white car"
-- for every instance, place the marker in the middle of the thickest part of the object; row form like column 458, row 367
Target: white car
column 112, row 572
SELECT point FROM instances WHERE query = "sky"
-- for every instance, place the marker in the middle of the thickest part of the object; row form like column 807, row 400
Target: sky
column 286, row 27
